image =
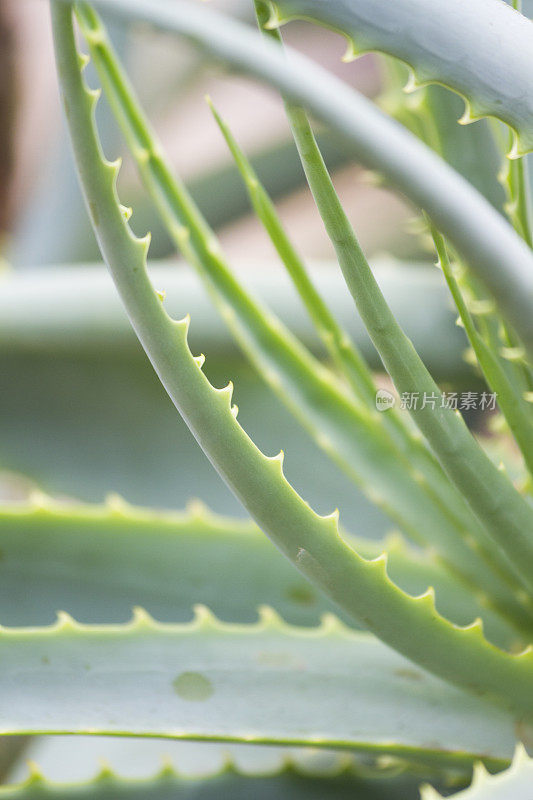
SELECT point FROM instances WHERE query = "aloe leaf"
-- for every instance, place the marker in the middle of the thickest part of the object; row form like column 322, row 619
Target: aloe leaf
column 337, row 341
column 208, row 680
column 486, row 241
column 290, row 781
column 428, row 114
column 514, row 407
column 472, row 150
column 514, row 782
column 353, row 437
column 360, row 587
column 84, row 396
column 485, row 32
column 354, row 368
column 100, row 561
column 506, row 515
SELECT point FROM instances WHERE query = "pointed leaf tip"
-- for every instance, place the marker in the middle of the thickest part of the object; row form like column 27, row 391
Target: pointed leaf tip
column 204, row 617
column 269, row 617
column 427, row 792
column 141, row 618
column 65, row 621
column 35, row 774
column 351, row 53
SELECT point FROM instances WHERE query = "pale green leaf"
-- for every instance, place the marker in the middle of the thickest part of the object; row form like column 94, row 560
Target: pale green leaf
column 265, row 683
column 313, row 543
column 515, row 783
column 100, row 561
column 290, row 782
column 487, row 242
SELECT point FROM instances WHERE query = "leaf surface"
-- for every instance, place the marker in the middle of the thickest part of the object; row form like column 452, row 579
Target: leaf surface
column 458, row 44
column 289, row 782
column 269, row 683
column 514, row 783
column 101, row 561
column 312, row 542
column 487, row 242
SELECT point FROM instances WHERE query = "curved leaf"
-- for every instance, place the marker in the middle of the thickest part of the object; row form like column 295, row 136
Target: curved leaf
column 290, row 782
column 101, row 561
column 488, row 243
column 456, row 44
column 353, row 436
column 313, row 543
column 515, row 783
column 266, row 683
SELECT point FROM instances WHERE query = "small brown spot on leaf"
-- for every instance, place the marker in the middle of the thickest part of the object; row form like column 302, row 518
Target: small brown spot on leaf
column 94, row 213
column 193, row 686
column 409, row 674
column 301, row 594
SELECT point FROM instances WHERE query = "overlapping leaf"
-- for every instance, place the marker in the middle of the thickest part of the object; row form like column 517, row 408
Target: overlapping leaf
column 515, row 783
column 269, row 682
column 489, row 245
column 100, row 561
column 361, row 587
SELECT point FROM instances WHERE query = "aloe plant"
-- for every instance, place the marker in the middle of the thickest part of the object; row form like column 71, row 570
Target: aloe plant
column 411, row 655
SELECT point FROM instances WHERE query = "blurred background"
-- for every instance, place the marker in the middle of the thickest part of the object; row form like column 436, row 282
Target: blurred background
column 81, row 412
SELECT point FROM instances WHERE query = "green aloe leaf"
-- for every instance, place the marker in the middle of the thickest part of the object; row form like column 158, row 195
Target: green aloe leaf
column 486, row 241
column 361, row 587
column 506, row 515
column 83, row 397
column 349, row 360
column 354, row 437
column 100, row 561
column 290, row 781
column 515, row 783
column 265, row 683
column 485, row 31
column 514, row 407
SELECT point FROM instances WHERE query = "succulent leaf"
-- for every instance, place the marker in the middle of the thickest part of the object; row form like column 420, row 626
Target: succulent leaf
column 313, row 543
column 515, row 782
column 456, row 45
column 486, row 241
column 354, row 437
column 268, row 682
column 100, row 561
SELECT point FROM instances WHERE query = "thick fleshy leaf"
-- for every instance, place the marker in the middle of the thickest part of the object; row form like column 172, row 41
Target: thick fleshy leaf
column 290, row 782
column 456, row 45
column 101, row 561
column 515, row 783
column 312, row 542
column 325, row 687
column 487, row 242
